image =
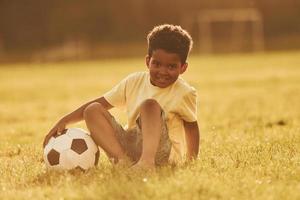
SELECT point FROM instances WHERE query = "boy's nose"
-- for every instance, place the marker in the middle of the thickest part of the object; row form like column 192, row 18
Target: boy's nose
column 163, row 70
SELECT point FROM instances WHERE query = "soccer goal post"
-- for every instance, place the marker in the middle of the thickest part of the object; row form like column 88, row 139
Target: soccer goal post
column 239, row 18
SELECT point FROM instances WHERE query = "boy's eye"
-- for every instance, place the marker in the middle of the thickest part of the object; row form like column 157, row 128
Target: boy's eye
column 172, row 66
column 155, row 63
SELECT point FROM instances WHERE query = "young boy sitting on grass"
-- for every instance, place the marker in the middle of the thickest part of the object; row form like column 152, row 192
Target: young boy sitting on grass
column 161, row 107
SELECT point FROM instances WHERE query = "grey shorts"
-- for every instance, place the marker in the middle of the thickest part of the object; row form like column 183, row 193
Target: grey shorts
column 132, row 141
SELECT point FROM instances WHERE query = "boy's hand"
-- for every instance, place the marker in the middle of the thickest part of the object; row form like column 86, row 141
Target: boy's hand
column 56, row 130
column 192, row 136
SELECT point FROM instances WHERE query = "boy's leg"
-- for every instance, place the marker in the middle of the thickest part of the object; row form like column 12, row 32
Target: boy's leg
column 151, row 125
column 98, row 121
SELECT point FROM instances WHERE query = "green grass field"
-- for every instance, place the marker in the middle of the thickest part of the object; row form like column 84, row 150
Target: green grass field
column 249, row 113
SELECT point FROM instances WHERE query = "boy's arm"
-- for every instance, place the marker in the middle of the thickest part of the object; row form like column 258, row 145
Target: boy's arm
column 73, row 117
column 77, row 115
column 192, row 136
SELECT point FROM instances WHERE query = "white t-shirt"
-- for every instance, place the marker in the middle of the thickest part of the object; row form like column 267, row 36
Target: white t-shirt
column 179, row 102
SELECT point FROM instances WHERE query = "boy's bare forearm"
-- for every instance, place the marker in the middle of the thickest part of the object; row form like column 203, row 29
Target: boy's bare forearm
column 192, row 135
column 77, row 115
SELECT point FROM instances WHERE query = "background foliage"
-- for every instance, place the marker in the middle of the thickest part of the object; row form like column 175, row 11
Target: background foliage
column 32, row 25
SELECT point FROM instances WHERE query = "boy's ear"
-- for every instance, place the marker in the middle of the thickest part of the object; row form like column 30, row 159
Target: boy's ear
column 147, row 60
column 183, row 68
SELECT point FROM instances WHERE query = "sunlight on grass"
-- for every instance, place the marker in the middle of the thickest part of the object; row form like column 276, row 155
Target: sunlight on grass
column 249, row 113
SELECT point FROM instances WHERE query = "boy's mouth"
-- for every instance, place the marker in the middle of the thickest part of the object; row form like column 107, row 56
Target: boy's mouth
column 162, row 81
column 162, row 78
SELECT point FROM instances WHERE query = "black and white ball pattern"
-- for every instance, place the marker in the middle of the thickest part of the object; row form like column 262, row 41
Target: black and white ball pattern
column 74, row 148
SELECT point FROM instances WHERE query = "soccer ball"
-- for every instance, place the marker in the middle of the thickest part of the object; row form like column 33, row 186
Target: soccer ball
column 74, row 148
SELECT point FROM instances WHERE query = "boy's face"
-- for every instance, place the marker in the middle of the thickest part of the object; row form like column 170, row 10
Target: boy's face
column 164, row 67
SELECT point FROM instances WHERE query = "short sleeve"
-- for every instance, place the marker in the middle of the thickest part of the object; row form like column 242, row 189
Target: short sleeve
column 117, row 95
column 188, row 106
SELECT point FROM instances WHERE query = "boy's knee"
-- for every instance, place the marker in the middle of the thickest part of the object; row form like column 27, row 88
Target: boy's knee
column 150, row 105
column 93, row 109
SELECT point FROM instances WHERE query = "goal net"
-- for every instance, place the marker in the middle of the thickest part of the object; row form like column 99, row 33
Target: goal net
column 240, row 26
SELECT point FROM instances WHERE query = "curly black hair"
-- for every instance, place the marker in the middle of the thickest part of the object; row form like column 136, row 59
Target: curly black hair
column 171, row 38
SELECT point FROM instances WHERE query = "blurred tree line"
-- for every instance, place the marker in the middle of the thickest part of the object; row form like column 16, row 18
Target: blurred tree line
column 30, row 25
